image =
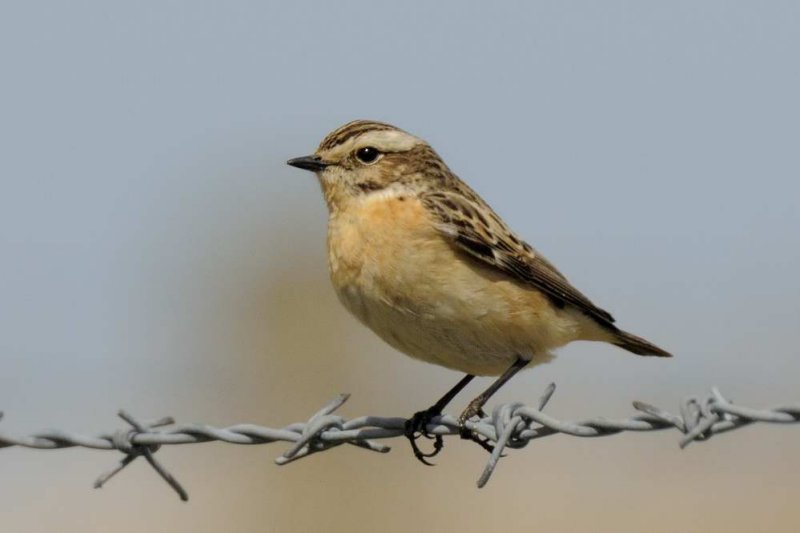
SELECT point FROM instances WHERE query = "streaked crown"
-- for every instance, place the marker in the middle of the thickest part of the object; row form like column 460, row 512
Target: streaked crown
column 349, row 131
column 346, row 139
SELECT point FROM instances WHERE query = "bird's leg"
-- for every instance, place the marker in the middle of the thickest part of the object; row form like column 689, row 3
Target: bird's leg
column 475, row 407
column 417, row 425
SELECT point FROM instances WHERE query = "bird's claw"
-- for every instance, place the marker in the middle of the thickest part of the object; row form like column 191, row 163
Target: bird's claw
column 416, row 427
column 483, row 442
column 475, row 408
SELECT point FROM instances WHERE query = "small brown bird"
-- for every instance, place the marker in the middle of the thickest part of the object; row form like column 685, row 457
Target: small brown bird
column 418, row 257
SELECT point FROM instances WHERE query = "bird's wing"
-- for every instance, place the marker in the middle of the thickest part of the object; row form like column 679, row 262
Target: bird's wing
column 472, row 227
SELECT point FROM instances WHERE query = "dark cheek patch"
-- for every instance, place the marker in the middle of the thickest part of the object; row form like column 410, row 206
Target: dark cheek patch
column 367, row 186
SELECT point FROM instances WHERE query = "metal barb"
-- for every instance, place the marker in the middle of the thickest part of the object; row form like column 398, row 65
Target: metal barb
column 124, row 441
column 510, row 426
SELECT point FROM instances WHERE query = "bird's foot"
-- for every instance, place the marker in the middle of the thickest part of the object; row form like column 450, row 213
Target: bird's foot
column 416, row 427
column 475, row 408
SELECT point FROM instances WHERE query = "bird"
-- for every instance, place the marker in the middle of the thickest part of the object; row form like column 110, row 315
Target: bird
column 423, row 261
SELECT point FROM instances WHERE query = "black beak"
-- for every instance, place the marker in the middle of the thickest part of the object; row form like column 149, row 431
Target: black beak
column 309, row 162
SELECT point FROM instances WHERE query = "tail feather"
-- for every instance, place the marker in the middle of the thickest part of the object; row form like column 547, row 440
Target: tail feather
column 637, row 345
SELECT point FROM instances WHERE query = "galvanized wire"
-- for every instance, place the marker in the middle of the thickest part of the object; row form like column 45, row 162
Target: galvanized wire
column 511, row 425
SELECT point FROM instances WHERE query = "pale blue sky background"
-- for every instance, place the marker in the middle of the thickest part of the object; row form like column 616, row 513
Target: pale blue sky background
column 157, row 254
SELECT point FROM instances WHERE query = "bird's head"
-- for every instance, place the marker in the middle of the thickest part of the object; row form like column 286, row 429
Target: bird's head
column 364, row 156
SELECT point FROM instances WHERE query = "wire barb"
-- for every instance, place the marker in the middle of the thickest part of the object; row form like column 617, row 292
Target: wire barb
column 510, row 426
column 124, row 442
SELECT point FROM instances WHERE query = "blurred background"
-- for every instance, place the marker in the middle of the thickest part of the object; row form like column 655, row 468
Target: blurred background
column 157, row 254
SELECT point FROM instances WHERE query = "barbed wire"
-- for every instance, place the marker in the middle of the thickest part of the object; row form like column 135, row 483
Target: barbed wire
column 511, row 425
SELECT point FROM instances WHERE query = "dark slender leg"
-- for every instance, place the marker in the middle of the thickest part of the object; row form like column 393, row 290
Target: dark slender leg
column 475, row 407
column 449, row 395
column 417, row 425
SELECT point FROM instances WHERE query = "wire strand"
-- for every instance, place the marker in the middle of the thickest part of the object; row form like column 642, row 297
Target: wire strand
column 511, row 425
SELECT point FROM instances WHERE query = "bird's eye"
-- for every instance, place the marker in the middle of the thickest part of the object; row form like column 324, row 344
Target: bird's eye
column 367, row 155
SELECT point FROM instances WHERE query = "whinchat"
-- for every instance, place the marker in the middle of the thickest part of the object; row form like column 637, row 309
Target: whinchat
column 419, row 258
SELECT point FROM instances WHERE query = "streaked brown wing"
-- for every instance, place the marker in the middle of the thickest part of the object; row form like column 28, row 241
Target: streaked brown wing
column 461, row 216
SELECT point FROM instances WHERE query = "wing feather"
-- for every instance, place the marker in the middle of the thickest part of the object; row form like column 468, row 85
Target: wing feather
column 473, row 228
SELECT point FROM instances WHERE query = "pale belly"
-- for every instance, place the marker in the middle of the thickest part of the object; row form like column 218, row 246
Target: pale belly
column 402, row 279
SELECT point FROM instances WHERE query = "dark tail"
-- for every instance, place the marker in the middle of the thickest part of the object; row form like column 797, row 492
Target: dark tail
column 638, row 345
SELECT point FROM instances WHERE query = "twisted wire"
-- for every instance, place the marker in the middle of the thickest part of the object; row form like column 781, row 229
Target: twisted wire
column 511, row 425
